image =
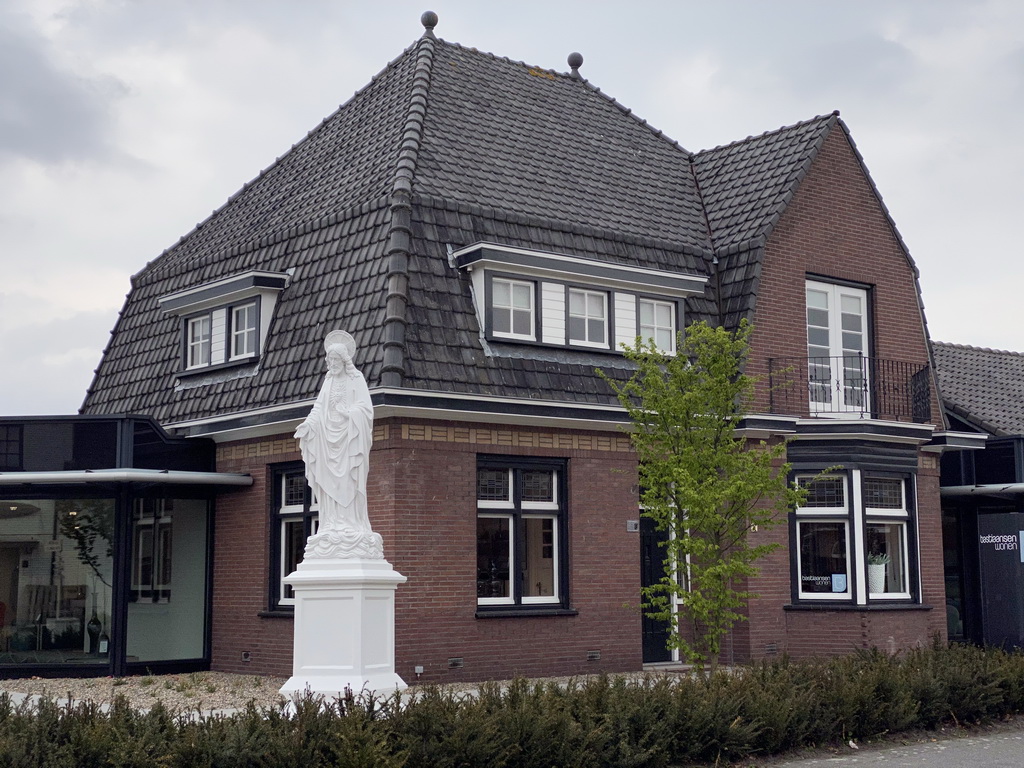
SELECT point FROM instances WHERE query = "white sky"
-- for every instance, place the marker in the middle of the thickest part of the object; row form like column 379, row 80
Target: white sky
column 123, row 123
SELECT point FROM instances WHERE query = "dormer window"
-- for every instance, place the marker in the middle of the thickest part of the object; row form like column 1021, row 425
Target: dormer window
column 243, row 330
column 567, row 301
column 588, row 318
column 225, row 322
column 657, row 321
column 199, row 338
column 512, row 309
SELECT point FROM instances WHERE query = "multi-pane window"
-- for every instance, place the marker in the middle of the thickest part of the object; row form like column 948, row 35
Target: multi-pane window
column 588, row 318
column 823, row 538
column 295, row 520
column 152, row 544
column 10, row 446
column 520, row 527
column 512, row 308
column 198, row 341
column 853, row 538
column 887, row 517
column 243, row 330
column 837, row 348
column 657, row 321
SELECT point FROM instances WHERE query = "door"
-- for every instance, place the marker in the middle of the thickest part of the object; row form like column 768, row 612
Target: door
column 652, row 568
column 837, row 348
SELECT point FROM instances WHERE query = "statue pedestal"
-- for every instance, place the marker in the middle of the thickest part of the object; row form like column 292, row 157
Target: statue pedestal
column 344, row 627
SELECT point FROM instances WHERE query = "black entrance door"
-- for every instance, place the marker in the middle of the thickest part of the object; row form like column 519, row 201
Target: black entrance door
column 652, row 556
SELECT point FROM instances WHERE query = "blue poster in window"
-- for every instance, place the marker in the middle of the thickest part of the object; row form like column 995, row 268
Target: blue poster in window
column 838, row 582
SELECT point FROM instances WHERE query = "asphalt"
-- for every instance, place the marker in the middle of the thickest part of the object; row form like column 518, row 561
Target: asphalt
column 997, row 747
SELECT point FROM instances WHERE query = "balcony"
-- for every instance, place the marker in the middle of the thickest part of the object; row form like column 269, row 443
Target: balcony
column 850, row 385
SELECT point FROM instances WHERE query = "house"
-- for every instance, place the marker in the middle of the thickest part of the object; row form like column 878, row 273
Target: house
column 490, row 233
column 983, row 493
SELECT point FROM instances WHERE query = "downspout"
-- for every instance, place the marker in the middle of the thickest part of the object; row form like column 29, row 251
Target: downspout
column 399, row 243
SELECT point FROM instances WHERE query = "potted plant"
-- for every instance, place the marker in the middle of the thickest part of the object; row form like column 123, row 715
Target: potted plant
column 877, row 562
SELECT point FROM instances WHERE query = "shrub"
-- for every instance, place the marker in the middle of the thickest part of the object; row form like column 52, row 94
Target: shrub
column 605, row 722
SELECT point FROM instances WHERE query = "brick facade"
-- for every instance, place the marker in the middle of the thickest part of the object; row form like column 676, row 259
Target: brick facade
column 422, row 495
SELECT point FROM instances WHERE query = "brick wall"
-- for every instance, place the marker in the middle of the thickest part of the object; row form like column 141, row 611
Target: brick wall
column 422, row 497
column 835, row 228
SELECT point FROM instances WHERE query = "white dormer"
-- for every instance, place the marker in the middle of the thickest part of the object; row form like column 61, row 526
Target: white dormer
column 532, row 297
column 225, row 322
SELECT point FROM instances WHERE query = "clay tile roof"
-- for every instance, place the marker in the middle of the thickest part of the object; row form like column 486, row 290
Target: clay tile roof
column 983, row 386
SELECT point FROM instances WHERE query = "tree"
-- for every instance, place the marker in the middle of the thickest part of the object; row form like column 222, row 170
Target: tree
column 706, row 485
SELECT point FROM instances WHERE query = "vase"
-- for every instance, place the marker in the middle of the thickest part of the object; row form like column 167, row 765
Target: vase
column 876, row 578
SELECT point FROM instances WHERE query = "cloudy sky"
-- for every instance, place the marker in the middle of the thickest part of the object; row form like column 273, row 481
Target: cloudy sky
column 123, row 123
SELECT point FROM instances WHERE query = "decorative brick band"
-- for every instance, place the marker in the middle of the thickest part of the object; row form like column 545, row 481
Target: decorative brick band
column 279, row 446
column 516, row 439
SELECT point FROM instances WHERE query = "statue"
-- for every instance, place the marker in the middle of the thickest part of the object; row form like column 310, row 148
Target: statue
column 335, row 441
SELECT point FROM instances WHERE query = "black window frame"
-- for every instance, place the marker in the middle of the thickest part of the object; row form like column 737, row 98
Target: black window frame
column 517, row 513
column 309, row 515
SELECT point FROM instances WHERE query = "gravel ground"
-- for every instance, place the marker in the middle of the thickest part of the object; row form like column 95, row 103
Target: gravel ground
column 204, row 691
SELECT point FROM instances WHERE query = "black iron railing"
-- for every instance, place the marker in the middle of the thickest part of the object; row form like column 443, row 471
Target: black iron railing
column 868, row 387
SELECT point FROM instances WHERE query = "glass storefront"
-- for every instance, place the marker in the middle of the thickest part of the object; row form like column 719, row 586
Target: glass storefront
column 56, row 575
column 105, row 527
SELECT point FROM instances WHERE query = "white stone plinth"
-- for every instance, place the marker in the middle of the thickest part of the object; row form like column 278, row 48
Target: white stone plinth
column 344, row 628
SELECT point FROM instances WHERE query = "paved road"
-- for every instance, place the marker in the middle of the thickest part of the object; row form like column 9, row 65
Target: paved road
column 994, row 749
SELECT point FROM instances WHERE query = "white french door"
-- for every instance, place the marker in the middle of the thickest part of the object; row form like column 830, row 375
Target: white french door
column 837, row 348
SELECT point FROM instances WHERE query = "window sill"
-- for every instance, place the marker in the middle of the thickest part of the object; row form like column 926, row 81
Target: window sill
column 519, row 612
column 277, row 614
column 846, row 606
column 185, row 373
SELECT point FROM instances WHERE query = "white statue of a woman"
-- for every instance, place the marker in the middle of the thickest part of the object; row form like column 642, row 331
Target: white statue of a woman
column 335, row 441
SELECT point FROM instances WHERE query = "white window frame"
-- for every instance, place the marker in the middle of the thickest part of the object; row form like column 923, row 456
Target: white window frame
column 842, row 359
column 244, row 330
column 586, row 294
column 891, row 516
column 512, row 284
column 832, row 515
column 198, row 345
column 857, row 518
column 651, row 334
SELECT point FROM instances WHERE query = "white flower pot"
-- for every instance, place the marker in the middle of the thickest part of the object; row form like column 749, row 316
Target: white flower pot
column 876, row 578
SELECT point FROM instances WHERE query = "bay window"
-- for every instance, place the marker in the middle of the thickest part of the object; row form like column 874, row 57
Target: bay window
column 854, row 538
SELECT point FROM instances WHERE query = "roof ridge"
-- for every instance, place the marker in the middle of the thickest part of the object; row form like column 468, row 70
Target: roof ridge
column 277, row 161
column 399, row 243
column 752, row 137
column 952, row 345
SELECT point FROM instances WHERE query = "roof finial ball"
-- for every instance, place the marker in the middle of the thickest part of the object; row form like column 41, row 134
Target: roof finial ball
column 429, row 21
column 575, row 61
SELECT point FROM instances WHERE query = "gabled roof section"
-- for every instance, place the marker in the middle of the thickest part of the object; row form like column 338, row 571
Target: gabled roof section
column 983, row 386
column 747, row 185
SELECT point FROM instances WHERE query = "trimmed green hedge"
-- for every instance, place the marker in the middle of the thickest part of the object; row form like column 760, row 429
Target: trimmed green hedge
column 762, row 709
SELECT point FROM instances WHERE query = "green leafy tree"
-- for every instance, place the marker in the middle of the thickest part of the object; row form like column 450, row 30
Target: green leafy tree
column 706, row 485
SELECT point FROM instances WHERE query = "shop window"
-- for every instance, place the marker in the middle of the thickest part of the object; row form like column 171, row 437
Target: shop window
column 520, row 535
column 853, row 538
